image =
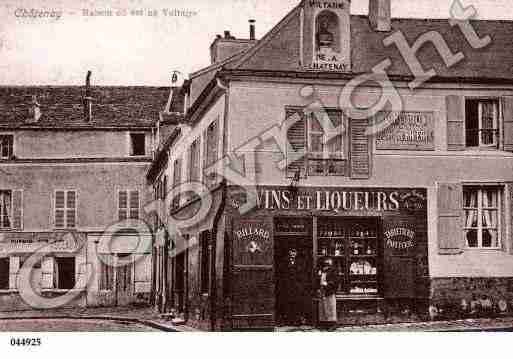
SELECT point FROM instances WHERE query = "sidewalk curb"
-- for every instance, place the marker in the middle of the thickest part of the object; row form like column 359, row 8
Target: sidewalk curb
column 144, row 322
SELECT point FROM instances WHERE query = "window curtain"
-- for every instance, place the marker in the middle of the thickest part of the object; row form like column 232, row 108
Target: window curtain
column 490, row 235
column 471, row 218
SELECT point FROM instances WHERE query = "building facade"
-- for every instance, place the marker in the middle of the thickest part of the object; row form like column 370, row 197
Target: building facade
column 411, row 202
column 72, row 172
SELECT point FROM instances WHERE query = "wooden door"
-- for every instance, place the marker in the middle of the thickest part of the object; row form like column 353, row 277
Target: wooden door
column 124, row 281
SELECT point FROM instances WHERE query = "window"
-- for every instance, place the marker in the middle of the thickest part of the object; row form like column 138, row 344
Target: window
column 128, row 205
column 205, row 261
column 211, row 149
column 64, row 277
column 138, row 144
column 482, row 123
column 4, row 273
column 5, row 209
column 177, row 179
column 124, row 273
column 6, row 146
column 319, row 144
column 194, row 161
column 482, row 207
column 65, row 209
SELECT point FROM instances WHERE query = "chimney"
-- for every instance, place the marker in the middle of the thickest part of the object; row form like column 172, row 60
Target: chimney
column 228, row 45
column 252, row 29
column 380, row 14
column 34, row 110
column 88, row 100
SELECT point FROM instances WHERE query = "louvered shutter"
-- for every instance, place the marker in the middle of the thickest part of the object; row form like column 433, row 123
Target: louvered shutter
column 134, row 204
column 296, row 136
column 60, row 198
column 450, row 218
column 455, row 123
column 47, row 273
column 71, row 211
column 123, row 205
column 17, row 203
column 507, row 123
column 507, row 243
column 360, row 149
column 177, row 179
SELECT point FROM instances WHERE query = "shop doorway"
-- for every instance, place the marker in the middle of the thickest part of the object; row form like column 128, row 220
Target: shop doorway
column 124, row 280
column 180, row 279
column 293, row 271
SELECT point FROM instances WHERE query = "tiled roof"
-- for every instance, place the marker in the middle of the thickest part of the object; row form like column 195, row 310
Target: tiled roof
column 279, row 50
column 63, row 106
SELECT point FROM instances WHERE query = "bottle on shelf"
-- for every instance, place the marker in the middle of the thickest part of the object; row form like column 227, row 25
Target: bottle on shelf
column 369, row 250
column 356, row 249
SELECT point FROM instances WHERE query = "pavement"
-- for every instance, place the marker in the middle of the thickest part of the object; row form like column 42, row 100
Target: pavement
column 140, row 316
column 151, row 318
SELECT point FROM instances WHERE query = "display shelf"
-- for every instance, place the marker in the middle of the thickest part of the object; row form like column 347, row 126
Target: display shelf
column 357, row 253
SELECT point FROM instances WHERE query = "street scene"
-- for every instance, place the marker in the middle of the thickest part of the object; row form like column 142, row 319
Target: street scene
column 318, row 166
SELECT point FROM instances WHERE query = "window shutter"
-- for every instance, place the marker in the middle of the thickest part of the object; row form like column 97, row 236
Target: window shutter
column 507, row 238
column 296, row 136
column 450, row 219
column 134, row 204
column 71, row 204
column 455, row 123
column 507, row 123
column 17, row 203
column 59, row 209
column 360, row 150
column 47, row 271
column 123, row 205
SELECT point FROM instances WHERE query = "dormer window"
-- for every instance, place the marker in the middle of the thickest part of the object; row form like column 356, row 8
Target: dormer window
column 6, row 146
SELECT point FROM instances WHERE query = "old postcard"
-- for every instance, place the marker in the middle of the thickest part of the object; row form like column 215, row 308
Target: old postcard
column 294, row 166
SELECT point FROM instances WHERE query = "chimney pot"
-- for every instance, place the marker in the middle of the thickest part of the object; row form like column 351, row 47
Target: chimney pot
column 252, row 29
column 227, row 34
column 380, row 15
column 88, row 100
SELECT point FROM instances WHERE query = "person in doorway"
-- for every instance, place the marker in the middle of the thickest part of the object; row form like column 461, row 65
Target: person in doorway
column 327, row 280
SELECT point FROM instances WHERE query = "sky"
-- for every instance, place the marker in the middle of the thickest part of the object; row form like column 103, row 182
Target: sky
column 134, row 49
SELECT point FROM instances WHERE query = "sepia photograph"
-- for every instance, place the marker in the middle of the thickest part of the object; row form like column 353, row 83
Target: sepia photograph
column 254, row 166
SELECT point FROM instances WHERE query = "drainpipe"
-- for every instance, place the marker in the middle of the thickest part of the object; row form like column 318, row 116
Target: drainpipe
column 213, row 251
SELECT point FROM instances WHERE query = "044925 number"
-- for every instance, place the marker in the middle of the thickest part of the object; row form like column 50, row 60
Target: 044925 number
column 25, row 342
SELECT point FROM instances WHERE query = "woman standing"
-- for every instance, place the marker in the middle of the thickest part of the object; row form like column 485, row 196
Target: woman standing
column 327, row 280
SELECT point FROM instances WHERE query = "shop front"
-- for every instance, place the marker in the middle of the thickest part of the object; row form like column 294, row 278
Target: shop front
column 375, row 239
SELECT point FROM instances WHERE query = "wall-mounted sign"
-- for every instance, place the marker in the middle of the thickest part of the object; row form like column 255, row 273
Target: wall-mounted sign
column 339, row 200
column 28, row 243
column 400, row 239
column 252, row 242
column 409, row 131
column 327, row 34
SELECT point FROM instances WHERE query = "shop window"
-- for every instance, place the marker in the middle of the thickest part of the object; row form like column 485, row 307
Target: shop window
column 5, row 209
column 4, row 273
column 204, row 262
column 128, row 205
column 482, row 206
column 6, row 146
column 106, row 275
column 482, row 123
column 353, row 249
column 64, row 270
column 318, row 143
column 138, row 144
column 65, row 209
column 177, row 181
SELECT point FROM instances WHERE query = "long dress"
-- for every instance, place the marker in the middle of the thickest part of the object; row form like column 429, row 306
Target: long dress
column 328, row 299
